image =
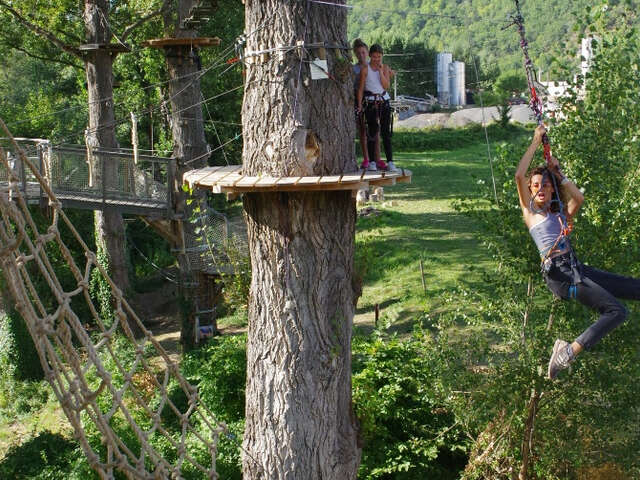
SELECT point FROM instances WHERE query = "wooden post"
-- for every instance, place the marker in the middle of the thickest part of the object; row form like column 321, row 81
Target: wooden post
column 424, row 284
column 377, row 315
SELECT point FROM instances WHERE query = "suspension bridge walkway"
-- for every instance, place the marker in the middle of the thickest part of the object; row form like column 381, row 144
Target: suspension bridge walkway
column 93, row 179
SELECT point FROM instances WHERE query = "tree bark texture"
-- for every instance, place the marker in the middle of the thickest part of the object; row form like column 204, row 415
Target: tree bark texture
column 299, row 418
column 109, row 225
column 189, row 149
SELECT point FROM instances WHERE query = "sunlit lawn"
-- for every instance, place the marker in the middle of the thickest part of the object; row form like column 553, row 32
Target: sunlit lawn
column 422, row 225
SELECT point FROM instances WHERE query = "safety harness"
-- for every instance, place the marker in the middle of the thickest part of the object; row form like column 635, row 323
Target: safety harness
column 376, row 100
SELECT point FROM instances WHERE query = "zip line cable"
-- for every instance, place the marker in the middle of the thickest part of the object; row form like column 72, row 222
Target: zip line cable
column 215, row 130
column 199, row 74
column 217, row 62
column 484, row 121
column 86, row 104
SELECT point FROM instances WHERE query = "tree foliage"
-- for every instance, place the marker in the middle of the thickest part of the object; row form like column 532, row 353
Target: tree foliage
column 473, row 31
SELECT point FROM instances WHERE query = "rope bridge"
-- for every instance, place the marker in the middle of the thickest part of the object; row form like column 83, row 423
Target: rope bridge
column 131, row 409
column 93, row 178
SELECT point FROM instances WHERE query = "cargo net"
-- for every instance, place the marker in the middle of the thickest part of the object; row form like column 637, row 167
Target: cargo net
column 131, row 410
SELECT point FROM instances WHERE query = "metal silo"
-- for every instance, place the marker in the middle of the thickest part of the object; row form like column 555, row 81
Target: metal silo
column 443, row 60
column 457, row 92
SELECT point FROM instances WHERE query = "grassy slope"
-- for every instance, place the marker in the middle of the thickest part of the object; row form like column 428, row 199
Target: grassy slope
column 423, row 225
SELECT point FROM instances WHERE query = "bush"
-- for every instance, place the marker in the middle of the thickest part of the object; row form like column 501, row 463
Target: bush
column 219, row 370
column 407, row 428
column 19, row 357
column 48, row 456
column 512, row 408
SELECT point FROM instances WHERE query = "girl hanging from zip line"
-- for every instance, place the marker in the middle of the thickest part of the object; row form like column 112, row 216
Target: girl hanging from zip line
column 375, row 79
column 548, row 221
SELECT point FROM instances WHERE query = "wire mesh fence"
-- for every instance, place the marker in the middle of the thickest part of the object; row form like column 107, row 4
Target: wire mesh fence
column 82, row 177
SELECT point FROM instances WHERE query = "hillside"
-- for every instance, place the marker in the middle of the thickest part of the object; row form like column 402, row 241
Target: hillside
column 477, row 29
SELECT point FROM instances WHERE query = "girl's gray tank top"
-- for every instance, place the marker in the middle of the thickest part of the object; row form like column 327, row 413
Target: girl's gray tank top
column 547, row 232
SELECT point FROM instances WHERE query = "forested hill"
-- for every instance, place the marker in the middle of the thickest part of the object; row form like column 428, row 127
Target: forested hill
column 478, row 27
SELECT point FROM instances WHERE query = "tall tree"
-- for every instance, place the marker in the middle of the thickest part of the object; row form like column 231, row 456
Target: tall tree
column 299, row 420
column 98, row 63
column 189, row 150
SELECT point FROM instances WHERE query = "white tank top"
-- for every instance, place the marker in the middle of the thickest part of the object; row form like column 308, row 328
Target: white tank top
column 372, row 82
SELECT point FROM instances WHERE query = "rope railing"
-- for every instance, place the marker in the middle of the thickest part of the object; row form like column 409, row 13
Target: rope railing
column 130, row 408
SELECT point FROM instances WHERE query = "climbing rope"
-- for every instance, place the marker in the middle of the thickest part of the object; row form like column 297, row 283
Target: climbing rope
column 131, row 410
column 535, row 103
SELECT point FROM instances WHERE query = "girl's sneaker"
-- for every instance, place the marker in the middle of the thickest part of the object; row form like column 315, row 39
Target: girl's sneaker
column 365, row 165
column 561, row 357
column 382, row 165
column 392, row 167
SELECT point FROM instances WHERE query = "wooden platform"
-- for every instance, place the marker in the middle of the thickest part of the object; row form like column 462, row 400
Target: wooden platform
column 231, row 180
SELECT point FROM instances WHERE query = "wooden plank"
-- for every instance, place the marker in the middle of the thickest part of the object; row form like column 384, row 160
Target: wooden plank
column 308, row 180
column 406, row 176
column 231, row 179
column 289, row 180
column 294, row 188
column 218, row 175
column 267, row 182
column 192, row 176
column 330, row 179
column 351, row 177
column 371, row 176
column 383, row 181
column 247, row 181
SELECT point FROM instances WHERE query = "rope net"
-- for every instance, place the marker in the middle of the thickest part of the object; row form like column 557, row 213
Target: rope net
column 131, row 409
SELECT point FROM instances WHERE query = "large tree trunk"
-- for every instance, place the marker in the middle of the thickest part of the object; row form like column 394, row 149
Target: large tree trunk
column 299, row 418
column 110, row 237
column 189, row 150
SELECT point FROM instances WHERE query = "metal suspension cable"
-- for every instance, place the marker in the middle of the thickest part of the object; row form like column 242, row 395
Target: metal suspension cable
column 154, row 108
column 217, row 62
column 199, row 74
column 167, row 276
column 484, row 123
column 215, row 130
column 214, row 64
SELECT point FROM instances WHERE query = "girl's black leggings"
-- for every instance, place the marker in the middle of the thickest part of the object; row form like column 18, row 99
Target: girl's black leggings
column 598, row 290
column 374, row 110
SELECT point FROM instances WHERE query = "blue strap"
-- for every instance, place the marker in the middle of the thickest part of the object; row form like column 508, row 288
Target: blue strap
column 573, row 291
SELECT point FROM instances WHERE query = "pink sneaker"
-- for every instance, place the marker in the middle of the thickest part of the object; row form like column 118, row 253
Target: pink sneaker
column 382, row 165
column 364, row 165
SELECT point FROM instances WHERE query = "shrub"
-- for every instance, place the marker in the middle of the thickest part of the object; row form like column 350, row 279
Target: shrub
column 407, row 428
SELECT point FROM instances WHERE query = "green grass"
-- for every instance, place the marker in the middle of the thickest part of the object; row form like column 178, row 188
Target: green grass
column 422, row 226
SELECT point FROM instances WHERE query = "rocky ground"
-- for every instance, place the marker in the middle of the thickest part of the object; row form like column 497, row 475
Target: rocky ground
column 465, row 116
